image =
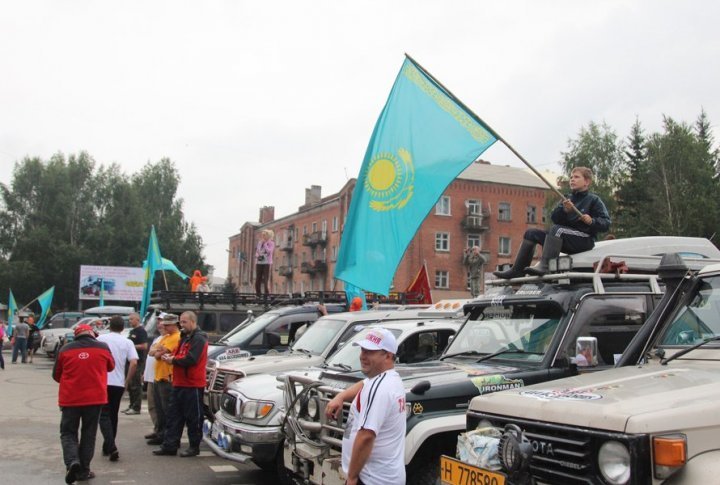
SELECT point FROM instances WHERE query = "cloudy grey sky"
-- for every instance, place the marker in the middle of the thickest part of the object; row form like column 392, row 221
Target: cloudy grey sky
column 257, row 100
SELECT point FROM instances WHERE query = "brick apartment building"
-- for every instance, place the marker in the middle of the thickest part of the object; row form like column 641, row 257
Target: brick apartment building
column 488, row 205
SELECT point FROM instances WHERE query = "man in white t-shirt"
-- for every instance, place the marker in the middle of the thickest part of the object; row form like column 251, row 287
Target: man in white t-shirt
column 123, row 351
column 373, row 447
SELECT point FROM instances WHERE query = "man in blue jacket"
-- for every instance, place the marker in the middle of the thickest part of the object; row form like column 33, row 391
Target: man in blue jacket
column 571, row 233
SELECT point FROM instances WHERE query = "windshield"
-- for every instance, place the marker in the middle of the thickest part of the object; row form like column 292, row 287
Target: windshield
column 319, row 335
column 235, row 330
column 348, row 357
column 699, row 319
column 524, row 329
column 248, row 331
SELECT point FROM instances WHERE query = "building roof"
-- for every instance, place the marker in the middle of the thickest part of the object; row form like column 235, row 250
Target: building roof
column 499, row 174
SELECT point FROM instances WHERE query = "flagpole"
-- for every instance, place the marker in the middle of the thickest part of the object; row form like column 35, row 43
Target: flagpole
column 493, row 132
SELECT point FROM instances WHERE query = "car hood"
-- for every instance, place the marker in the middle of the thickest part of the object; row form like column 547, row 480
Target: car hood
column 265, row 386
column 446, row 379
column 55, row 332
column 628, row 399
column 260, row 364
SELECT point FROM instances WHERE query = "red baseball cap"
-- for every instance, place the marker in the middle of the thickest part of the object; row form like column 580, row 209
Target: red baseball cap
column 84, row 328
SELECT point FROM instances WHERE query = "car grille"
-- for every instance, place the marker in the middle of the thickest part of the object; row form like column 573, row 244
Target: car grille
column 219, row 382
column 566, row 454
column 320, row 430
column 209, row 371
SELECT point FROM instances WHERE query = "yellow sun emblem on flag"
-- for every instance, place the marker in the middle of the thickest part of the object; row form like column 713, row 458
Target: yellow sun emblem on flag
column 390, row 180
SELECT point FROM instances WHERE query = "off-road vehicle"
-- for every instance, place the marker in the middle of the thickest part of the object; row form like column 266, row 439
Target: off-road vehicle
column 522, row 332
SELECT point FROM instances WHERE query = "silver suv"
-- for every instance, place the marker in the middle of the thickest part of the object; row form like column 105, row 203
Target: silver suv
column 249, row 423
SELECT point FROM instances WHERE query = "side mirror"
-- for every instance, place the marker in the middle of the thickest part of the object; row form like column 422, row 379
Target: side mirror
column 586, row 352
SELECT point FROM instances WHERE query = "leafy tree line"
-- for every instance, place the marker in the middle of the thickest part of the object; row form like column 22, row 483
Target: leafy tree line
column 58, row 214
column 665, row 183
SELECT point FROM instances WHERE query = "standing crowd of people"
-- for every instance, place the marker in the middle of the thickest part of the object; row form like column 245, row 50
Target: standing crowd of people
column 94, row 371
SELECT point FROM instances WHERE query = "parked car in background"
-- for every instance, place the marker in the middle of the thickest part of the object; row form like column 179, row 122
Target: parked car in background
column 56, row 327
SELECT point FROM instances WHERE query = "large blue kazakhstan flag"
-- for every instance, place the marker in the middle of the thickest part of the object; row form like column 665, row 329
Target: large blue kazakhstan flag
column 423, row 139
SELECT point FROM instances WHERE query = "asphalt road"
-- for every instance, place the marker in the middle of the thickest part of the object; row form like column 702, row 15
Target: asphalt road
column 30, row 452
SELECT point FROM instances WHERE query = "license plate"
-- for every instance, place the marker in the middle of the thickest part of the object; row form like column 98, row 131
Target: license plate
column 455, row 472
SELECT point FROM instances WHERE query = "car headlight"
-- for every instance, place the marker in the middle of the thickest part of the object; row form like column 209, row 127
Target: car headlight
column 256, row 409
column 313, row 407
column 614, row 462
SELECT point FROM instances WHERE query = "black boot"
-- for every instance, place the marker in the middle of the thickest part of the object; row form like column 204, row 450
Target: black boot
column 551, row 250
column 522, row 259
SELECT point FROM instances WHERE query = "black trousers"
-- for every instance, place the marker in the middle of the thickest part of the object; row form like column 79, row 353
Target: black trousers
column 573, row 241
column 262, row 274
column 185, row 409
column 79, row 450
column 162, row 391
column 109, row 418
column 135, row 386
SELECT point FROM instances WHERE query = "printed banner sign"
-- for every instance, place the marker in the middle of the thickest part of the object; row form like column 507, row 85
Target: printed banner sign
column 120, row 283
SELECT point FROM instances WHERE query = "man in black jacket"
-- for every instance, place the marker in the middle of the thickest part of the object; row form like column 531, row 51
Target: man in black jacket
column 571, row 233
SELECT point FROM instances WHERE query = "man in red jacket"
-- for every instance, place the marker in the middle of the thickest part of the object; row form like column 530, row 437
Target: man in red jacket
column 188, row 383
column 81, row 369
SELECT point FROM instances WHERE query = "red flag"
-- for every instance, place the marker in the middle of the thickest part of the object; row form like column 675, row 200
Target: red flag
column 419, row 290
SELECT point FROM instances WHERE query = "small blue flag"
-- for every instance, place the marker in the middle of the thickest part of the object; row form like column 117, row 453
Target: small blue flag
column 168, row 265
column 422, row 141
column 102, row 292
column 152, row 264
column 352, row 291
column 12, row 311
column 45, row 301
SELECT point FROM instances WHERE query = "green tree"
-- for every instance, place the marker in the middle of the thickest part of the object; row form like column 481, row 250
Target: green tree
column 59, row 214
column 681, row 173
column 633, row 197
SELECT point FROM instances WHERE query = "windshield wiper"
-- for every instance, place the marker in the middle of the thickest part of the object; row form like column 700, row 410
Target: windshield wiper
column 689, row 349
column 506, row 351
column 466, row 352
column 342, row 366
column 304, row 351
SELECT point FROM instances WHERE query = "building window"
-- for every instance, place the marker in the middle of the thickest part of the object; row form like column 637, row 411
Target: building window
column 442, row 208
column 305, row 229
column 531, row 214
column 335, row 224
column 473, row 207
column 324, row 226
column 314, row 227
column 442, row 241
column 442, row 279
column 544, row 215
column 504, row 246
column 473, row 240
column 334, row 253
column 504, row 211
column 304, row 257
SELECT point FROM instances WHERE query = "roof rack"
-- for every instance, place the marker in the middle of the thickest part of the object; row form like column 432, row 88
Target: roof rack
column 235, row 300
column 645, row 267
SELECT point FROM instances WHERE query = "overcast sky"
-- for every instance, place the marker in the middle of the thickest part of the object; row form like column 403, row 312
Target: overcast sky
column 256, row 100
